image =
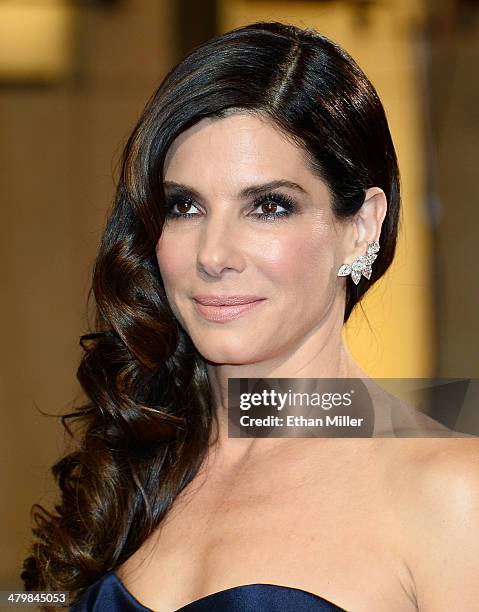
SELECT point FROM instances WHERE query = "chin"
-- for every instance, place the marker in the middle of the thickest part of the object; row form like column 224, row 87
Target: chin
column 224, row 352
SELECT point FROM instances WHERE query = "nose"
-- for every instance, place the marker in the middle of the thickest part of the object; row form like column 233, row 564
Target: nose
column 219, row 245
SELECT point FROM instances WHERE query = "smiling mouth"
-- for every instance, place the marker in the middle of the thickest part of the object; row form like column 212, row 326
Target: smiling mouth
column 224, row 313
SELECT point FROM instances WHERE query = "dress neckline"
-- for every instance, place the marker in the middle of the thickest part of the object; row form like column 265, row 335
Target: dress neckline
column 186, row 607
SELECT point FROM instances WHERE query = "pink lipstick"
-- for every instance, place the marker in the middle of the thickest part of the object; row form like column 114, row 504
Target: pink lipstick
column 221, row 309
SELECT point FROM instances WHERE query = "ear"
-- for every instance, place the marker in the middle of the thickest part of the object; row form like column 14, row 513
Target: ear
column 366, row 225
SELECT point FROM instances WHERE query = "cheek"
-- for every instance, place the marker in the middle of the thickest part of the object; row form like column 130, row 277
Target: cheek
column 303, row 260
column 170, row 261
column 172, row 268
column 316, row 259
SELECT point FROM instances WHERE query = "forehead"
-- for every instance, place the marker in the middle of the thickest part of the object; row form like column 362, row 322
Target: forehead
column 236, row 144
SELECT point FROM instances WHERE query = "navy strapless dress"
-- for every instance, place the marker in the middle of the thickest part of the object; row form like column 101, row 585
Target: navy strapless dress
column 109, row 594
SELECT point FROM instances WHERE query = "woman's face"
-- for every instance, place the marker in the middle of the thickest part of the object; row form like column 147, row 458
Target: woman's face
column 223, row 247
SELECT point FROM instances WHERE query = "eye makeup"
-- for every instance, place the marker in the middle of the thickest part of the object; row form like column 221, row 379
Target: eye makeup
column 269, row 199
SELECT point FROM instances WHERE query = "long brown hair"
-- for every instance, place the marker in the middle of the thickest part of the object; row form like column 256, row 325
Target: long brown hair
column 145, row 429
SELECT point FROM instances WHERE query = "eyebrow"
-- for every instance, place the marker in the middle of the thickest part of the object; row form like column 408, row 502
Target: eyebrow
column 247, row 192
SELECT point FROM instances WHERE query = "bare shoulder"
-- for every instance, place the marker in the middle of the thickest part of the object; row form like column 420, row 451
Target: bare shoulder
column 435, row 474
column 435, row 461
column 437, row 494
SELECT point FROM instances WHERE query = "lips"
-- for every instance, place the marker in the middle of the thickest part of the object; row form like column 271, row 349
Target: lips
column 226, row 300
column 221, row 313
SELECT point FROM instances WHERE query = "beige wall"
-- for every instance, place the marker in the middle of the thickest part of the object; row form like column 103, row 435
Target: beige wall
column 455, row 128
column 59, row 146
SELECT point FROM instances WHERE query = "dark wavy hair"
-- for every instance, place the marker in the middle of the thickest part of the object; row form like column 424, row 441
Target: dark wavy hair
column 149, row 420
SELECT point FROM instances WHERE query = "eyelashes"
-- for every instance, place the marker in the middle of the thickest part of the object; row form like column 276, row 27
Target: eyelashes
column 267, row 199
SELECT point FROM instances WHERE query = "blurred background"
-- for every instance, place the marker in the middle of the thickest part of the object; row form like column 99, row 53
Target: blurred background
column 74, row 77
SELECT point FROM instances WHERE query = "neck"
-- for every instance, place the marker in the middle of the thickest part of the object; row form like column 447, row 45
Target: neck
column 323, row 354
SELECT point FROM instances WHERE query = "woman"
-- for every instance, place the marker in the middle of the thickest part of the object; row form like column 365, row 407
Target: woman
column 260, row 171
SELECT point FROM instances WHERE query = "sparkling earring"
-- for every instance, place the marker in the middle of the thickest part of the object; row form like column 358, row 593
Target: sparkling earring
column 361, row 265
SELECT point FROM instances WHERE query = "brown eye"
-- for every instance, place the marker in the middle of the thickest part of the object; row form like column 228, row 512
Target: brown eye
column 268, row 204
column 180, row 208
column 183, row 207
column 269, row 207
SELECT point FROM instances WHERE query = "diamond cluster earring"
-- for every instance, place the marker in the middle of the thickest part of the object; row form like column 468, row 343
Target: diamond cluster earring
column 361, row 265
